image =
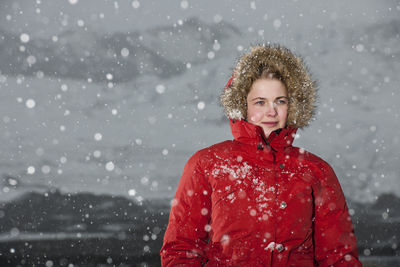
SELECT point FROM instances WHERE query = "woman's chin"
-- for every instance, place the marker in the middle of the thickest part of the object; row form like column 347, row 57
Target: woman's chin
column 268, row 131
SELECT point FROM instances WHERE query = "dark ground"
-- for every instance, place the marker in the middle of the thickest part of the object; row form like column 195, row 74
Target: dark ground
column 54, row 229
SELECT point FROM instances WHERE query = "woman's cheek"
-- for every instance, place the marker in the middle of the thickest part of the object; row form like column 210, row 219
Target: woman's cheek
column 255, row 116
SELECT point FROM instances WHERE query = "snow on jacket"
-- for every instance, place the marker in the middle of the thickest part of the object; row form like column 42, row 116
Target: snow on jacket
column 257, row 201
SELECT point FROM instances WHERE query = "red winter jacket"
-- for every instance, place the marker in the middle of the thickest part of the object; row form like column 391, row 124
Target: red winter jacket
column 250, row 202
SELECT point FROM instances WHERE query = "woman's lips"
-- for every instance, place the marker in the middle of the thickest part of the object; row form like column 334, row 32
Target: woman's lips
column 270, row 123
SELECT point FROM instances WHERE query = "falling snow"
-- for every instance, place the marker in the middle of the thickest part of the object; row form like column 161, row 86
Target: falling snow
column 103, row 102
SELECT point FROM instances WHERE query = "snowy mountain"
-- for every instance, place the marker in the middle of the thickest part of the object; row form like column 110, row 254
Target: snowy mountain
column 85, row 54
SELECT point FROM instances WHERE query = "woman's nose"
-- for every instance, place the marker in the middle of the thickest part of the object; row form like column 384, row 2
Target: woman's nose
column 270, row 110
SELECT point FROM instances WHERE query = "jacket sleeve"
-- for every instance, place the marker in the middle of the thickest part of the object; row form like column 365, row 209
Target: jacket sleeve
column 186, row 238
column 335, row 242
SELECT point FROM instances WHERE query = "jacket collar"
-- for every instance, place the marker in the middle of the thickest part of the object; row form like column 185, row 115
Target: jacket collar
column 251, row 134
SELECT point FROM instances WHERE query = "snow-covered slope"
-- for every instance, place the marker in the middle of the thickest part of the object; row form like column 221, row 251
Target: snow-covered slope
column 84, row 54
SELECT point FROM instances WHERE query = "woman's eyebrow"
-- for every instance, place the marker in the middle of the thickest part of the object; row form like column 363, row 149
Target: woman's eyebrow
column 263, row 98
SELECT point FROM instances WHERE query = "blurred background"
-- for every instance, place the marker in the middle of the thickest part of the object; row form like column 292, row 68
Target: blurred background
column 104, row 101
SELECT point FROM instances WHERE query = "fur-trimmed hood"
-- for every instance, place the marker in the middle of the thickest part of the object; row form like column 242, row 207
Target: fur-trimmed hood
column 294, row 73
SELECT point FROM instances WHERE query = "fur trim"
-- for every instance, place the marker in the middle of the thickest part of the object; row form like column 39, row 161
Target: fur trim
column 295, row 74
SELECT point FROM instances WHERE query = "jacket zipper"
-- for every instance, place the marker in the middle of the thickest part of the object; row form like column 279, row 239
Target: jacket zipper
column 276, row 195
column 267, row 142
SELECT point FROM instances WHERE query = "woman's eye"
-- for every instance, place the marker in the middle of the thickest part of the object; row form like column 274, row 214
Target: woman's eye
column 260, row 103
column 281, row 101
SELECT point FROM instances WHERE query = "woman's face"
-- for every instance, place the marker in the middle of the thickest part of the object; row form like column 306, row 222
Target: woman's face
column 267, row 105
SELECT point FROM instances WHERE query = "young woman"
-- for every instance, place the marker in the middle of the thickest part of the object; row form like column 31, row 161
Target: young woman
column 258, row 200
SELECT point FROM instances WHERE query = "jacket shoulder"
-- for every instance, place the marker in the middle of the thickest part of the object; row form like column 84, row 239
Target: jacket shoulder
column 206, row 154
column 219, row 147
column 319, row 166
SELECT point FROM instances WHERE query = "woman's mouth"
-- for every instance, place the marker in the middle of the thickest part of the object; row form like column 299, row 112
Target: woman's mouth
column 270, row 123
